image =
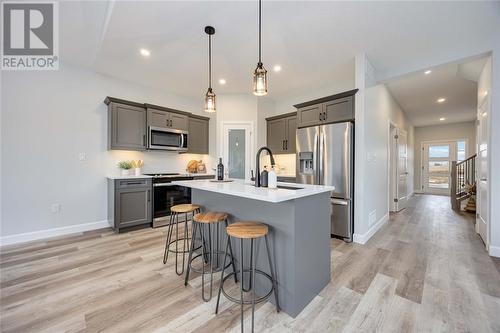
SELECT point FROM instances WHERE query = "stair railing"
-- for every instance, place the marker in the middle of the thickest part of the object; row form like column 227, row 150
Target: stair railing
column 463, row 173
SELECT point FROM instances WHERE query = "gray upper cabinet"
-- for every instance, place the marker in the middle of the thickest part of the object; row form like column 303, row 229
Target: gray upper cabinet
column 159, row 116
column 338, row 110
column 126, row 125
column 129, row 202
column 291, row 128
column 309, row 115
column 281, row 133
column 198, row 135
column 330, row 109
column 179, row 121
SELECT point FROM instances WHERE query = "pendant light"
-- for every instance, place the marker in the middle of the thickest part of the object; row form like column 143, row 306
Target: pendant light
column 260, row 73
column 210, row 95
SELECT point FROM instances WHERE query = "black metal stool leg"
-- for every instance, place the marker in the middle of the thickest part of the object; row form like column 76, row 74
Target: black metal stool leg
column 167, row 243
column 253, row 279
column 191, row 250
column 222, row 275
column 232, row 256
column 275, row 283
column 241, row 282
column 177, row 247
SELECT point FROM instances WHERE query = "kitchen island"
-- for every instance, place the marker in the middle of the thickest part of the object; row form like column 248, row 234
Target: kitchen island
column 298, row 216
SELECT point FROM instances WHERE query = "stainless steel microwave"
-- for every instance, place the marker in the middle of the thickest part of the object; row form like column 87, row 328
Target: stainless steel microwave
column 167, row 139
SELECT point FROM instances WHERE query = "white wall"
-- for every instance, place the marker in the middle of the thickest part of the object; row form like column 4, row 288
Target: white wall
column 454, row 131
column 490, row 80
column 48, row 118
column 380, row 109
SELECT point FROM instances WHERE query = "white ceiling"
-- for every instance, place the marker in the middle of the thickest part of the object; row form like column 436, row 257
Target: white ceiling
column 314, row 42
column 417, row 93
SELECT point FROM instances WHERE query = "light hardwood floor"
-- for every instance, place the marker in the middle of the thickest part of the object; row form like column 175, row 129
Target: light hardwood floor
column 424, row 271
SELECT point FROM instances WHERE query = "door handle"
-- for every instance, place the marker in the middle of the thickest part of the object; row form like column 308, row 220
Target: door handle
column 324, row 115
column 144, row 140
column 286, row 144
column 339, row 202
column 149, row 195
column 320, row 116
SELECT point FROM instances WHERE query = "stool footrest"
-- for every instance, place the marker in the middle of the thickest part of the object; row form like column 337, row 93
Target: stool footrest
column 216, row 269
column 257, row 300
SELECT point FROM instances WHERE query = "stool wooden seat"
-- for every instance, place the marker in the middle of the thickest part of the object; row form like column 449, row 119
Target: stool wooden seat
column 210, row 217
column 247, row 229
column 184, row 208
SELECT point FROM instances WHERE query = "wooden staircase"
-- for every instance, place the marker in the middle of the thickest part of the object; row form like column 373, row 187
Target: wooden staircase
column 463, row 183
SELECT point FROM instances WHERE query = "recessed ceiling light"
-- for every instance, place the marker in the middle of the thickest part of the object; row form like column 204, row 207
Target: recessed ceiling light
column 427, row 72
column 277, row 68
column 442, row 119
column 145, row 52
column 441, row 100
column 222, row 81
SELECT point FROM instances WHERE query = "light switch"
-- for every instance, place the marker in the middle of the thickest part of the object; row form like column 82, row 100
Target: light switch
column 55, row 208
column 82, row 156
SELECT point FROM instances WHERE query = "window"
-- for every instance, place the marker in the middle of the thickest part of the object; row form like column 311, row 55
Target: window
column 439, row 151
column 460, row 150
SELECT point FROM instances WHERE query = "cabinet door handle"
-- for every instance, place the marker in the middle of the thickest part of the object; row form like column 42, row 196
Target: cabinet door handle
column 286, row 144
column 324, row 115
column 149, row 195
column 283, row 144
column 144, row 140
column 171, row 123
column 320, row 117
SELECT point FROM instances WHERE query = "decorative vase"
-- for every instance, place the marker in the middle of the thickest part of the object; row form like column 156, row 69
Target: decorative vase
column 125, row 172
column 137, row 171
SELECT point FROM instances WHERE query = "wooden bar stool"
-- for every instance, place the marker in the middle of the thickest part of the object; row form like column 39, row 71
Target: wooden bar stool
column 174, row 219
column 208, row 222
column 253, row 231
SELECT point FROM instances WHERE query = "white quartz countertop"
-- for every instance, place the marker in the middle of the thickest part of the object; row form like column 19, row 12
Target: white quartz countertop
column 128, row 177
column 243, row 189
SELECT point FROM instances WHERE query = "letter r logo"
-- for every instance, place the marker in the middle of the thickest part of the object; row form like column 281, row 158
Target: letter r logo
column 28, row 29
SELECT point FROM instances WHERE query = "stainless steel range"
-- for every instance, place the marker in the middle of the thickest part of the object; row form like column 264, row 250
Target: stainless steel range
column 166, row 195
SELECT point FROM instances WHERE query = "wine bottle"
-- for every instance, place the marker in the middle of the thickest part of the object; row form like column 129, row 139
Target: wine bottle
column 220, row 170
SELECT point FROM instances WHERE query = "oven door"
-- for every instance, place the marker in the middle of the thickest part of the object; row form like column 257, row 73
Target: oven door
column 167, row 139
column 165, row 196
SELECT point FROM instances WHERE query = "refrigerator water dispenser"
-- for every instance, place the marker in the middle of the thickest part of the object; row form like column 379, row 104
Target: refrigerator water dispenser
column 306, row 165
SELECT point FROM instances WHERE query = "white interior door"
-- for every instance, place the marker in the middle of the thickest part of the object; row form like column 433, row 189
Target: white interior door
column 402, row 169
column 237, row 148
column 482, row 172
column 436, row 166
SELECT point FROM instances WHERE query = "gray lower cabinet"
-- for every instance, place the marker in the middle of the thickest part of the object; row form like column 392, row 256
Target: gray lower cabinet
column 198, row 135
column 126, row 125
column 281, row 133
column 129, row 202
column 331, row 109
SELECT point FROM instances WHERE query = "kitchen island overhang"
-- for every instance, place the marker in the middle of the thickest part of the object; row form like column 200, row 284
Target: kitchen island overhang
column 299, row 236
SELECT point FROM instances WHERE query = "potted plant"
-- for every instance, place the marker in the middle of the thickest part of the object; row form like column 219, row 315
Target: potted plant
column 125, row 166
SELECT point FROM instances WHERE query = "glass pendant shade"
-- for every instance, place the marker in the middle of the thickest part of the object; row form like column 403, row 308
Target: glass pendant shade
column 210, row 101
column 260, row 81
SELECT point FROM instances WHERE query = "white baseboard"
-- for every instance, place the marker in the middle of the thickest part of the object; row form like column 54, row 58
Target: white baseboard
column 363, row 238
column 54, row 232
column 494, row 251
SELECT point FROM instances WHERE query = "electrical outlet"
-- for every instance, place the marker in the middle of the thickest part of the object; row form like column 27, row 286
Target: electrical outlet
column 82, row 156
column 55, row 208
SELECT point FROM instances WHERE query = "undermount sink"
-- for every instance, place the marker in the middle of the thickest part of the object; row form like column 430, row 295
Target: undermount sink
column 290, row 187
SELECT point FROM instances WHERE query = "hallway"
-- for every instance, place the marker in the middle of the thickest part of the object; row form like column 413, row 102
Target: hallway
column 424, row 271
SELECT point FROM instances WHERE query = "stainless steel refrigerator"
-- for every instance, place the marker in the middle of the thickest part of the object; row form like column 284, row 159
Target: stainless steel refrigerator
column 325, row 157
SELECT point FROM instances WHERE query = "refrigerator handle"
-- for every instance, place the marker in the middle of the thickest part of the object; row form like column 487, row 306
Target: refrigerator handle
column 321, row 181
column 315, row 157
